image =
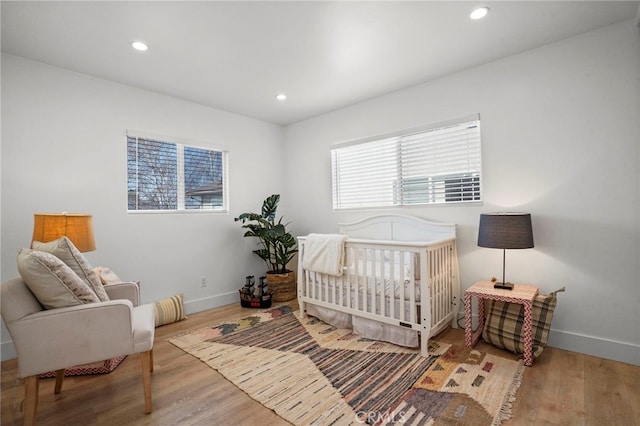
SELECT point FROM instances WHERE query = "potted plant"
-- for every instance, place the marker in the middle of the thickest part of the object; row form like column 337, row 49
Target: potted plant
column 277, row 247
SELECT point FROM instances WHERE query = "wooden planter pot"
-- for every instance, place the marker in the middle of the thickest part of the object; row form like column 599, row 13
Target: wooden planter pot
column 283, row 286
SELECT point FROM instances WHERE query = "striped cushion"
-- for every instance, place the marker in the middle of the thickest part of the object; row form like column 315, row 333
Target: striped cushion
column 505, row 321
column 169, row 310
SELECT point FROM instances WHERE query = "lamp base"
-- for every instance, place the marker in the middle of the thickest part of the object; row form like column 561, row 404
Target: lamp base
column 504, row 286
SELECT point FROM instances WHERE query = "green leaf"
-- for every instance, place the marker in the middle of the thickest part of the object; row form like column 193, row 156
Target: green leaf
column 269, row 207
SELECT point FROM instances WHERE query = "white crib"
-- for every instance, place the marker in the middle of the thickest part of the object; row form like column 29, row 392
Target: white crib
column 394, row 266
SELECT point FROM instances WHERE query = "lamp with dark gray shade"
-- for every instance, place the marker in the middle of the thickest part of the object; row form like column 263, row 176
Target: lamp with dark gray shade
column 505, row 231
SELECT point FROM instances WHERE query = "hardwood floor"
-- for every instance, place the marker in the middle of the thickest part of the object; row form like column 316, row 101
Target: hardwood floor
column 562, row 388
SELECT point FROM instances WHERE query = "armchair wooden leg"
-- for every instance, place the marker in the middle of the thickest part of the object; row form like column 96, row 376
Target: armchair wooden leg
column 146, row 358
column 151, row 355
column 59, row 380
column 31, row 385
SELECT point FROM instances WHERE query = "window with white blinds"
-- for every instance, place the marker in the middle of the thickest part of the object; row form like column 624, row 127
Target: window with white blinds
column 441, row 164
column 168, row 176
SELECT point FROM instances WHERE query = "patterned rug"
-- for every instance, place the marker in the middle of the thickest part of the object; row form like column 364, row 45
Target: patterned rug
column 311, row 373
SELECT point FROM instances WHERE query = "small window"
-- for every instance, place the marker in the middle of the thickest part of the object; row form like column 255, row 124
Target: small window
column 435, row 165
column 168, row 176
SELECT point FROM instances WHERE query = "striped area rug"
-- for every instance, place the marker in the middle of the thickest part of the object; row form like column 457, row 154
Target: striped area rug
column 311, row 373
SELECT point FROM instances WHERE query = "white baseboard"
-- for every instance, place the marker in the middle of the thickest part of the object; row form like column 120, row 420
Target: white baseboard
column 206, row 303
column 595, row 346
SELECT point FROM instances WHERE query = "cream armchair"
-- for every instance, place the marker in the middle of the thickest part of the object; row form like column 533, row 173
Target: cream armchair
column 55, row 339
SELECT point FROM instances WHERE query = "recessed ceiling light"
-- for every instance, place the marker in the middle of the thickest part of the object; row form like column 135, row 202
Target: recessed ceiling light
column 139, row 45
column 479, row 12
column 281, row 96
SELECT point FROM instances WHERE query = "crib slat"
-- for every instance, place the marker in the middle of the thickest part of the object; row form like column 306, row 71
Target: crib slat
column 315, row 286
column 403, row 299
column 438, row 272
column 325, row 288
column 412, row 287
column 367, row 281
column 435, row 305
column 382, row 297
column 438, row 298
column 345, row 300
column 444, row 298
column 392, row 293
column 373, row 282
column 356, row 293
column 426, row 284
column 446, row 295
column 340, row 288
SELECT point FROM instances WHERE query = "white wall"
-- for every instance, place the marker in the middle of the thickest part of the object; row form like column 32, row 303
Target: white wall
column 64, row 149
column 560, row 140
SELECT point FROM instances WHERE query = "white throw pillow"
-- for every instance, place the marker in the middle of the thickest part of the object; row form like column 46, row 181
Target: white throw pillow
column 106, row 275
column 64, row 250
column 54, row 284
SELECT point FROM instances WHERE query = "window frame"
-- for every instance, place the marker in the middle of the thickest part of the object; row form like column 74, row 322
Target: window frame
column 469, row 188
column 180, row 145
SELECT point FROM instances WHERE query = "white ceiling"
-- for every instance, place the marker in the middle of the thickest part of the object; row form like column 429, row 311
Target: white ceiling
column 236, row 56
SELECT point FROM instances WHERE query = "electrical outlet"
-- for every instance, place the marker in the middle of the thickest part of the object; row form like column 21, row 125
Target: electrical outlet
column 203, row 281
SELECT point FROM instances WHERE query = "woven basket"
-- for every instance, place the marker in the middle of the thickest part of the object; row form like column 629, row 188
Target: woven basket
column 283, row 286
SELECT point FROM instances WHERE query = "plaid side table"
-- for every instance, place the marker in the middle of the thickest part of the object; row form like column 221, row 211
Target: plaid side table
column 522, row 294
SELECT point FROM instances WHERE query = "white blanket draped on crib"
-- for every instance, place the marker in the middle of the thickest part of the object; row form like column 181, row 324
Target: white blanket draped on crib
column 324, row 253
